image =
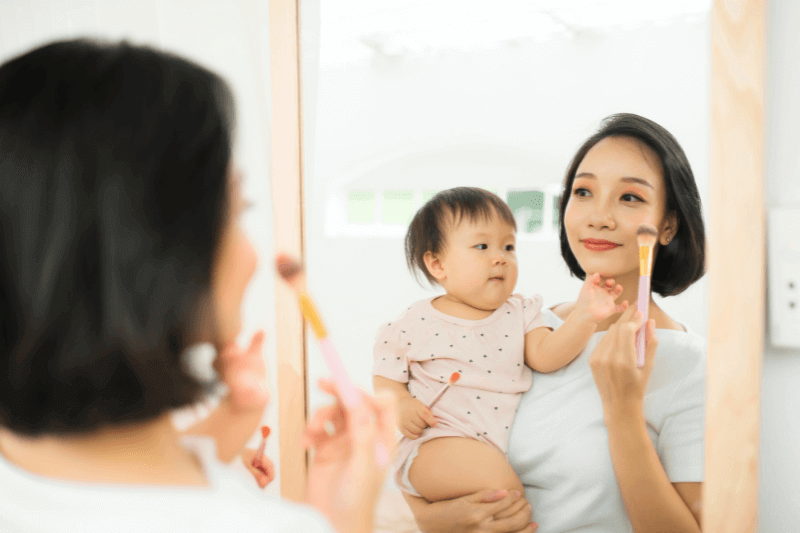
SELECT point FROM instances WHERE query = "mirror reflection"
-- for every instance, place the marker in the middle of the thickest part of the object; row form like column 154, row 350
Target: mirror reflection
column 402, row 104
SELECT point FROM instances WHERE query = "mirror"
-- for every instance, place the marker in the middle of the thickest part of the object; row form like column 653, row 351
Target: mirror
column 402, row 101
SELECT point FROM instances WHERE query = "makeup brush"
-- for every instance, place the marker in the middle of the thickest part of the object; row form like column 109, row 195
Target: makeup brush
column 265, row 431
column 292, row 272
column 453, row 378
column 646, row 236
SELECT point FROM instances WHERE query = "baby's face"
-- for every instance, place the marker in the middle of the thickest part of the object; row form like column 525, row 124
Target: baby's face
column 480, row 262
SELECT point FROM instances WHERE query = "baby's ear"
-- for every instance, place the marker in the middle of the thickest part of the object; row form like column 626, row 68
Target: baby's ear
column 434, row 266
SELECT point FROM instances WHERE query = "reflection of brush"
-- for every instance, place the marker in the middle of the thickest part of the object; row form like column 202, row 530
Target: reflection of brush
column 646, row 235
column 260, row 452
column 453, row 378
column 292, row 272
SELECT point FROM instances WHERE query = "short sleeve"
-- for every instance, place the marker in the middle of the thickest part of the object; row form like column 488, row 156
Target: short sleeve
column 389, row 354
column 532, row 313
column 680, row 441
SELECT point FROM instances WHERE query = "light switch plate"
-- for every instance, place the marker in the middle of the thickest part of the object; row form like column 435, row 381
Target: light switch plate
column 784, row 276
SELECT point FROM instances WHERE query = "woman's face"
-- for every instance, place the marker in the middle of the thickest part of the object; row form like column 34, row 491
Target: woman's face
column 618, row 185
column 234, row 266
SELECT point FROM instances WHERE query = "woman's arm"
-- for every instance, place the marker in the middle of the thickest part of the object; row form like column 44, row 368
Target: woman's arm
column 488, row 511
column 652, row 502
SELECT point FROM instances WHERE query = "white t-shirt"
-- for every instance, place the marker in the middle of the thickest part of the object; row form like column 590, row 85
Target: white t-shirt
column 232, row 503
column 559, row 441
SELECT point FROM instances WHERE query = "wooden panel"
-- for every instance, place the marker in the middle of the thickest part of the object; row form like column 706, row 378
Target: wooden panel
column 287, row 197
column 736, row 258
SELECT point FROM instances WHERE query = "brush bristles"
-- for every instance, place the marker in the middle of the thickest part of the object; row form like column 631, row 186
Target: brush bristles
column 265, row 431
column 454, row 377
column 288, row 267
column 646, row 235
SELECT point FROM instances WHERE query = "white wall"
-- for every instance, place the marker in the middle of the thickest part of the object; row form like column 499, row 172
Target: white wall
column 779, row 462
column 214, row 34
column 541, row 99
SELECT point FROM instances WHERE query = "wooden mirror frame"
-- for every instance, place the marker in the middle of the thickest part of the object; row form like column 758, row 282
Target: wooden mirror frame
column 736, row 317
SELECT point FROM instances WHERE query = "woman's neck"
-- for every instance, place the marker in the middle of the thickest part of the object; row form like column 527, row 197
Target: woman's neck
column 138, row 454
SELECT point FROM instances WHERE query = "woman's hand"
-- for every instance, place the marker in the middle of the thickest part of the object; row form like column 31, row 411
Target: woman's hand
column 488, row 511
column 245, row 373
column 352, row 450
column 621, row 383
column 597, row 299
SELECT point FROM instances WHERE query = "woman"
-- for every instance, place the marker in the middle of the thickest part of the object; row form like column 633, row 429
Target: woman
column 120, row 248
column 602, row 445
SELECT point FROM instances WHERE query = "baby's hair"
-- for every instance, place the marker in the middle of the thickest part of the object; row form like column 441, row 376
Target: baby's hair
column 447, row 209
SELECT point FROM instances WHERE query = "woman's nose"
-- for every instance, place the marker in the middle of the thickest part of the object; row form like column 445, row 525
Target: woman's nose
column 602, row 217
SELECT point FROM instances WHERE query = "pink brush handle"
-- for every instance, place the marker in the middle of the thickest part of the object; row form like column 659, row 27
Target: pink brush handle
column 438, row 396
column 350, row 394
column 643, row 305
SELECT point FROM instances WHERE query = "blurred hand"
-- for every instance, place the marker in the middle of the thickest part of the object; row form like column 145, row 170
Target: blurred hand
column 414, row 417
column 352, row 451
column 262, row 468
column 245, row 373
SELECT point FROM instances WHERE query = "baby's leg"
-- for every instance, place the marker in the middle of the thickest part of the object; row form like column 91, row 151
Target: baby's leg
column 450, row 467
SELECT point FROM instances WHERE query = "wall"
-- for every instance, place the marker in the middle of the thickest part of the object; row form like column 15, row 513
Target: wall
column 779, row 463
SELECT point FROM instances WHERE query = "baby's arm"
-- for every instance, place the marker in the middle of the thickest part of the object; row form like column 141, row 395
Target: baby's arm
column 413, row 415
column 546, row 350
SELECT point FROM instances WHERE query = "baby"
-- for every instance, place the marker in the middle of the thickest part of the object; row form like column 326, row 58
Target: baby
column 463, row 239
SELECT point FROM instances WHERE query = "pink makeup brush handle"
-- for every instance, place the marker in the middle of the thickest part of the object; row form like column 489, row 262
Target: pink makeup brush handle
column 643, row 305
column 350, row 394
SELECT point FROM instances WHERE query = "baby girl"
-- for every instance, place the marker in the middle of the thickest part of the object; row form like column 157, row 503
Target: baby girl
column 463, row 239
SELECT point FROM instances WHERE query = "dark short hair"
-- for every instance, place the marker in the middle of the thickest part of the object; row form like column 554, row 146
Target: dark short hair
column 114, row 163
column 682, row 262
column 428, row 227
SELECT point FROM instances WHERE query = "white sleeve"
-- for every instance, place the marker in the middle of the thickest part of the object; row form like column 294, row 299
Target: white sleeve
column 680, row 442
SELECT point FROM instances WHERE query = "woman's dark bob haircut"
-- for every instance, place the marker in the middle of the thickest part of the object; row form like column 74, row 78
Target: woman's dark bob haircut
column 113, row 198
column 682, row 261
column 428, row 229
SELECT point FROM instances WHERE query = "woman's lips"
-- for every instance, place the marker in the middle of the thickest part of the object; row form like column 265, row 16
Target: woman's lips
column 599, row 245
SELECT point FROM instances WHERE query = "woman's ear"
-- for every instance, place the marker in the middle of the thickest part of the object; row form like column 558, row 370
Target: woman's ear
column 434, row 266
column 669, row 228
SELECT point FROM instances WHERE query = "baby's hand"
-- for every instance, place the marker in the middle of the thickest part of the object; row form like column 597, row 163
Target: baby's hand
column 414, row 417
column 596, row 301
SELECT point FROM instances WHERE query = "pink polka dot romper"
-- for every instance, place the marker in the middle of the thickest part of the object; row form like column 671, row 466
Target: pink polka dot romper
column 424, row 346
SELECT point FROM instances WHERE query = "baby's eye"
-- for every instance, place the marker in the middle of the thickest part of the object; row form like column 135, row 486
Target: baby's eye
column 631, row 198
column 580, row 191
column 509, row 247
column 481, row 246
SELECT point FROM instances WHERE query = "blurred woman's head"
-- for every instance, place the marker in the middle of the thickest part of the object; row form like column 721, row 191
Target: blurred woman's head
column 632, row 172
column 119, row 245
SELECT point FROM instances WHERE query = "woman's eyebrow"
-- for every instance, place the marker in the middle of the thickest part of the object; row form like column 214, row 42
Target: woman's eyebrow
column 640, row 181
column 626, row 179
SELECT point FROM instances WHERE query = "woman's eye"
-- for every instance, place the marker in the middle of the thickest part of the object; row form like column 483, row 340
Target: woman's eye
column 580, row 191
column 509, row 248
column 631, row 198
column 481, row 246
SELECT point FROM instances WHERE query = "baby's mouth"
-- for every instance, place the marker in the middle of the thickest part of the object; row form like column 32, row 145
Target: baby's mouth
column 498, row 278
